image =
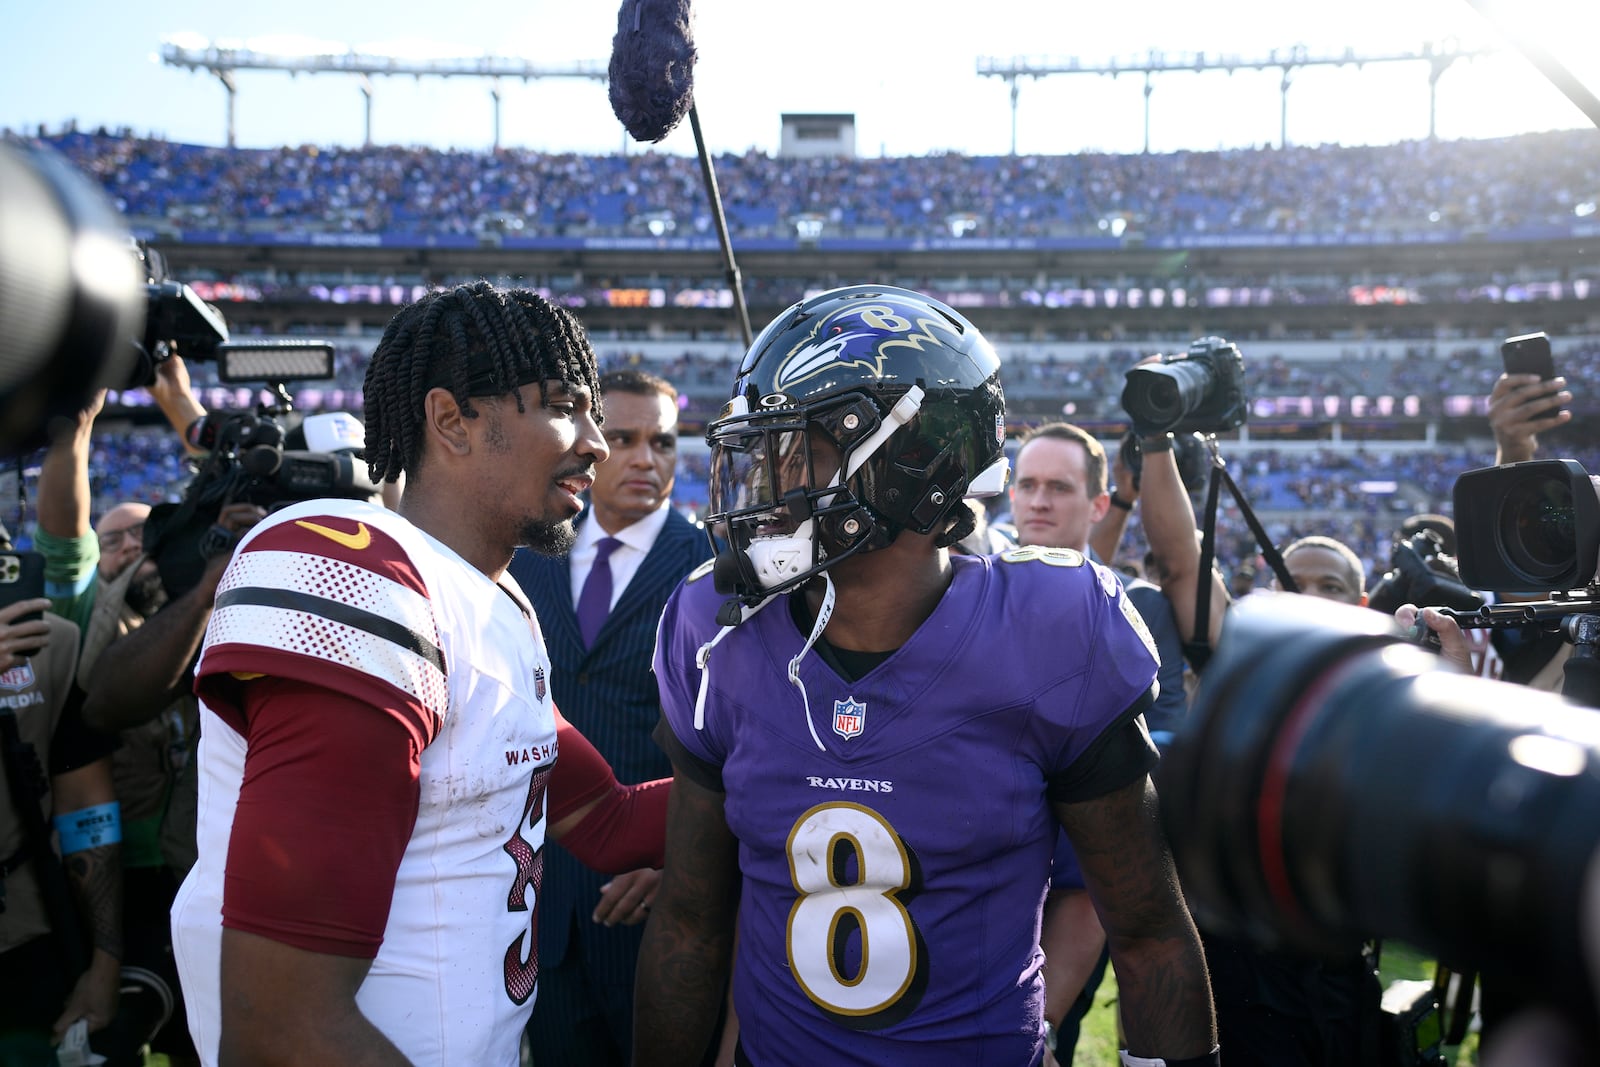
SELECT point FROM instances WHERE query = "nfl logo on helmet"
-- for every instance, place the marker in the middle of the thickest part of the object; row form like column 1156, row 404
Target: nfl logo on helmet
column 849, row 716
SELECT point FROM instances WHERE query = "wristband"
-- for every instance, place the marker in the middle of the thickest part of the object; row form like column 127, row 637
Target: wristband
column 1119, row 503
column 1161, row 442
column 89, row 828
column 1210, row 1059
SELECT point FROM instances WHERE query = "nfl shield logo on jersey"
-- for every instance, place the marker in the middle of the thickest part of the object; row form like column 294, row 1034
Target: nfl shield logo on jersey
column 18, row 677
column 849, row 715
column 538, row 684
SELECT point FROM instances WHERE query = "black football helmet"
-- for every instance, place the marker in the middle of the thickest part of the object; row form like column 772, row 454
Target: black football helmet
column 856, row 414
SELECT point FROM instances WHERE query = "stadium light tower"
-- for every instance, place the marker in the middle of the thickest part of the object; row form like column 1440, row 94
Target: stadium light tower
column 1288, row 61
column 224, row 61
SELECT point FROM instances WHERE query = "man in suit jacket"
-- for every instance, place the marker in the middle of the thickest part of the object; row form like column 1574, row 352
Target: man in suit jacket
column 604, row 686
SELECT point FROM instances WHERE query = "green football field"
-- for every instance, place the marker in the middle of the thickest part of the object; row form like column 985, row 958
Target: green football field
column 1097, row 1044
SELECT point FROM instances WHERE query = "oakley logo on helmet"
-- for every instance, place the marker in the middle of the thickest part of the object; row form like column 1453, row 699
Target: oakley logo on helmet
column 859, row 335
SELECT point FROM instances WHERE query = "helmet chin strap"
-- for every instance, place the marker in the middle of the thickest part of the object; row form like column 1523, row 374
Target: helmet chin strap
column 821, row 624
column 703, row 657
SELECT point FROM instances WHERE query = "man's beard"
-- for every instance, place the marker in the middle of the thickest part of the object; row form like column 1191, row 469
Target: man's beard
column 549, row 537
column 145, row 593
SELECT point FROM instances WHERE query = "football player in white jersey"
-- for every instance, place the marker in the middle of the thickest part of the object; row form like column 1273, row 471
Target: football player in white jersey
column 379, row 748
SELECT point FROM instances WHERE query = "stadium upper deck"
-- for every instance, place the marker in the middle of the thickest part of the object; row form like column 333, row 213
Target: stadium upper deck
column 1525, row 188
column 1073, row 264
column 1416, row 240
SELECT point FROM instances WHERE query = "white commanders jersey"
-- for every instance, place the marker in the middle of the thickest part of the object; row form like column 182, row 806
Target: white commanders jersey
column 352, row 596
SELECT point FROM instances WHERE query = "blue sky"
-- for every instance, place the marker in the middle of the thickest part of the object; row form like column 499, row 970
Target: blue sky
column 906, row 68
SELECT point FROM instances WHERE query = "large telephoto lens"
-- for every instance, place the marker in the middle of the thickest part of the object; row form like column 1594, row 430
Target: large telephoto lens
column 71, row 306
column 1159, row 396
column 1334, row 783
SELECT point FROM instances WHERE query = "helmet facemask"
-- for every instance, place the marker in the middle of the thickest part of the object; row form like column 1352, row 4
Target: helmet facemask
column 789, row 489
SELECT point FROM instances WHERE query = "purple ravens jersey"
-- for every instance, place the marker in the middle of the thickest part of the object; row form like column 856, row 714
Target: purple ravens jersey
column 893, row 881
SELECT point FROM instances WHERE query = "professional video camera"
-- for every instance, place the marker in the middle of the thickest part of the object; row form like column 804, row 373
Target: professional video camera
column 1332, row 784
column 1202, row 390
column 1421, row 572
column 251, row 460
column 1529, row 528
column 175, row 319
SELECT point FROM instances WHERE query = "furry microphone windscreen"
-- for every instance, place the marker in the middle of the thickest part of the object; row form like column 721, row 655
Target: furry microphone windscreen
column 652, row 67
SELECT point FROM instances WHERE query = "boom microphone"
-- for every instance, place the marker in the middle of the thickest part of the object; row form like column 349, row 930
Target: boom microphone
column 652, row 67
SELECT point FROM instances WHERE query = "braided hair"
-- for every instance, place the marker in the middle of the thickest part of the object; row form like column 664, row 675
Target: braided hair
column 475, row 340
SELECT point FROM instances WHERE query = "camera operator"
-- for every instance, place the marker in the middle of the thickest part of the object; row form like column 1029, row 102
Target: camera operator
column 1423, row 571
column 147, row 669
column 1522, row 406
column 1455, row 650
column 60, row 915
column 1326, row 567
column 112, row 589
column 1167, row 515
column 1276, row 1009
column 1273, row 1009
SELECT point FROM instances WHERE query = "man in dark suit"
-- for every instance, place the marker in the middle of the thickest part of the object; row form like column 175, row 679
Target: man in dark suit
column 598, row 608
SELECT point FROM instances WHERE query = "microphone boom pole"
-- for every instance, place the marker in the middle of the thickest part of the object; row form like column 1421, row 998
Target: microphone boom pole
column 709, row 174
column 651, row 77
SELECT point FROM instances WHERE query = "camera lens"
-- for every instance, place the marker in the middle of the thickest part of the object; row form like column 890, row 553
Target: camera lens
column 1332, row 784
column 69, row 294
column 1537, row 526
column 1158, row 397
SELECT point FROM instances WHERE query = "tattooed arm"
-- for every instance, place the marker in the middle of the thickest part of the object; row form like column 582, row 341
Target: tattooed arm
column 1161, row 970
column 95, row 877
column 683, row 962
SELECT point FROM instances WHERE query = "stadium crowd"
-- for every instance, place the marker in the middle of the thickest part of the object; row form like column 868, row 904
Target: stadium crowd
column 1092, row 383
column 1531, row 180
column 1297, row 492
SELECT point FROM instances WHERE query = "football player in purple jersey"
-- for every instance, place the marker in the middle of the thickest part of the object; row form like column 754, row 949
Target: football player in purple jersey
column 874, row 743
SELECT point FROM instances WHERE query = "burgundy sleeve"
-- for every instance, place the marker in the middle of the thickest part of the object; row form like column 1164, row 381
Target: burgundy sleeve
column 326, row 807
column 627, row 829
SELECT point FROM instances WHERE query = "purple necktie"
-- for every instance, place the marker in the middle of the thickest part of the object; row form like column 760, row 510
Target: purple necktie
column 594, row 603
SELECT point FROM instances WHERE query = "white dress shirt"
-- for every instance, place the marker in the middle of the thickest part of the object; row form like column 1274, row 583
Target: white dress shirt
column 625, row 558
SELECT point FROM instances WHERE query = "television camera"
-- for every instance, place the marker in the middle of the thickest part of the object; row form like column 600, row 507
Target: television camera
column 1534, row 527
column 175, row 320
column 264, row 456
column 1421, row 572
